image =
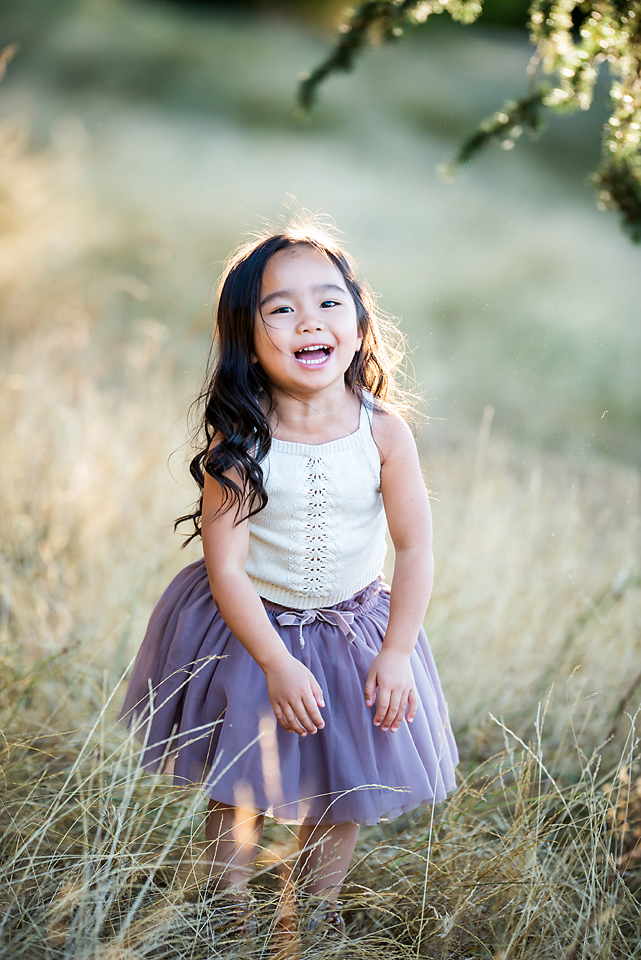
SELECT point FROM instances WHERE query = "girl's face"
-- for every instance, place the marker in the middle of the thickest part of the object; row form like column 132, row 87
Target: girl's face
column 306, row 331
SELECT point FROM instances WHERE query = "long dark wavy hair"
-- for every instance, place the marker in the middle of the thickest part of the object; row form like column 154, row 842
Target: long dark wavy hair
column 230, row 404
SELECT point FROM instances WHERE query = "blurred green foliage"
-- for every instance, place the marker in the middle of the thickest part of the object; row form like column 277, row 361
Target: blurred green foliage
column 34, row 15
column 512, row 13
column 509, row 13
column 314, row 9
column 573, row 41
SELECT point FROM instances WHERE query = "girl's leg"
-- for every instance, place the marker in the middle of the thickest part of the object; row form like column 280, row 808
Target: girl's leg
column 233, row 835
column 326, row 853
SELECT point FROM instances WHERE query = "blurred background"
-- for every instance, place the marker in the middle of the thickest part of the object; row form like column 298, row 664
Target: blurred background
column 140, row 140
column 169, row 131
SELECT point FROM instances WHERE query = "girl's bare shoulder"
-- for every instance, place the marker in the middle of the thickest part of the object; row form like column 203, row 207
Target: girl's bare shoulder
column 391, row 433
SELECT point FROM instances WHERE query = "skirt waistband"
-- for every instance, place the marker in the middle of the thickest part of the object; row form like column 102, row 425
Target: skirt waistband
column 341, row 614
column 361, row 602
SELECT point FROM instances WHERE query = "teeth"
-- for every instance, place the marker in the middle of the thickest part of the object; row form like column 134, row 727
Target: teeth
column 314, row 347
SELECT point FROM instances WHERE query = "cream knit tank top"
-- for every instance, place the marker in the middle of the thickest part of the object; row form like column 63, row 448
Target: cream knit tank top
column 321, row 537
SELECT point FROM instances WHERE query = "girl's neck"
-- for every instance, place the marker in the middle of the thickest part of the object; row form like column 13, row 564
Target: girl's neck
column 317, row 419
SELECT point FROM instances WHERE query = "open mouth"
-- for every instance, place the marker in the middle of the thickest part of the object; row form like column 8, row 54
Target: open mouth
column 311, row 356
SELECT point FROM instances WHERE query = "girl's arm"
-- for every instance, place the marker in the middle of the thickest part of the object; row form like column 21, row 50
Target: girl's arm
column 408, row 517
column 294, row 693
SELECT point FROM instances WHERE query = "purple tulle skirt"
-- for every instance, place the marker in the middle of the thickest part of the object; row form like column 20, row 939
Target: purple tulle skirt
column 198, row 703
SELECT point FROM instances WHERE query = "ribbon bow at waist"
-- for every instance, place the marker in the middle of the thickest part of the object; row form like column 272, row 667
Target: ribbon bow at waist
column 341, row 619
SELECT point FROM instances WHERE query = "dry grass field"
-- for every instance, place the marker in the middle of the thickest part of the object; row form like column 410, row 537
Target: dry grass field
column 535, row 623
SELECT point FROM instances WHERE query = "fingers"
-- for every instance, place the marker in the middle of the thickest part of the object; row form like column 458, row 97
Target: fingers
column 390, row 683
column 382, row 707
column 388, row 708
column 398, row 718
column 302, row 716
column 289, row 721
column 308, row 712
column 312, row 714
column 412, row 705
column 296, row 697
column 370, row 688
column 317, row 691
column 392, row 707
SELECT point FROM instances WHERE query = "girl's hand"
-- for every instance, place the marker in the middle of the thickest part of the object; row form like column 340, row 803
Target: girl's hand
column 391, row 673
column 295, row 696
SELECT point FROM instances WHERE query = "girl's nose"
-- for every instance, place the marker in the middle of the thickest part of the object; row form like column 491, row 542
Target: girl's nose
column 308, row 323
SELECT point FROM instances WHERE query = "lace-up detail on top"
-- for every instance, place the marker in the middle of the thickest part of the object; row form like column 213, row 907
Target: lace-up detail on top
column 316, row 504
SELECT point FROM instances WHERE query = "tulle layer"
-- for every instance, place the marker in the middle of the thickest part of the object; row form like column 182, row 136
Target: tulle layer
column 198, row 702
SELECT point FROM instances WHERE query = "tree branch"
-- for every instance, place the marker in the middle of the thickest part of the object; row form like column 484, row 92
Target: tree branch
column 573, row 39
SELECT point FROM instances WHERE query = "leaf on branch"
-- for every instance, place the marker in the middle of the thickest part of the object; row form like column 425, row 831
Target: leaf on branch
column 506, row 125
column 619, row 184
column 381, row 20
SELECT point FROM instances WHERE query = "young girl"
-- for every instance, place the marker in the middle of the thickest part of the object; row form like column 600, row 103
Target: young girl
column 304, row 464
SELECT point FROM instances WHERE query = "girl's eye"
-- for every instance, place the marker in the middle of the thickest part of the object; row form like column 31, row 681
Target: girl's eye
column 282, row 310
column 329, row 303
